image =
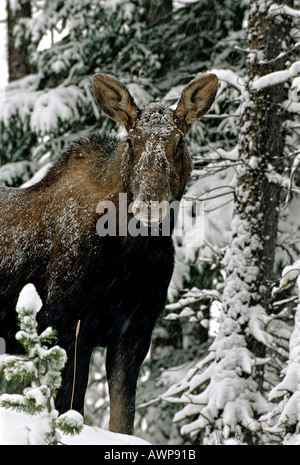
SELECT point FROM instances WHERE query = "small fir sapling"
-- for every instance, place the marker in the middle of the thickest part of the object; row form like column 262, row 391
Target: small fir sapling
column 41, row 366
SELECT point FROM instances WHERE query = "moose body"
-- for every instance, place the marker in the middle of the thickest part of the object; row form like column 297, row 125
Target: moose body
column 116, row 285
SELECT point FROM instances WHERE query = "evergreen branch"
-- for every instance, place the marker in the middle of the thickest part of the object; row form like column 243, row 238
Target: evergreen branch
column 277, row 10
column 20, row 403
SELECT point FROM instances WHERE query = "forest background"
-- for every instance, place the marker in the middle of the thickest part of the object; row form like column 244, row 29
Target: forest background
column 224, row 365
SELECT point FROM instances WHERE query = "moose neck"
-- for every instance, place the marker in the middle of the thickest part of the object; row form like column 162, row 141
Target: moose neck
column 90, row 166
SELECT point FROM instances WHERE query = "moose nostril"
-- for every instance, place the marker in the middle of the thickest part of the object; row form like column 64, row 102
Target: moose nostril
column 138, row 207
column 168, row 196
column 150, row 212
column 135, row 210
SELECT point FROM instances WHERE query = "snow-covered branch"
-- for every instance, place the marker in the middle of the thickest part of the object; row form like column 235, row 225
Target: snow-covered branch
column 228, row 77
column 277, row 77
column 276, row 10
column 281, row 55
column 294, row 169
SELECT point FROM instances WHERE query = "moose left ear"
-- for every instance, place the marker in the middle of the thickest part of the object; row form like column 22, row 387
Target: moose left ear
column 115, row 100
column 196, row 99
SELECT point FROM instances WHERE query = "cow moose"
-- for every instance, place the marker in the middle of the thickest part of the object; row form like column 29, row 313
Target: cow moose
column 116, row 285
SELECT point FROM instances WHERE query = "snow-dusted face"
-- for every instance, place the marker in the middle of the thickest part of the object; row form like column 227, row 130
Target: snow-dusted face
column 155, row 164
column 155, row 152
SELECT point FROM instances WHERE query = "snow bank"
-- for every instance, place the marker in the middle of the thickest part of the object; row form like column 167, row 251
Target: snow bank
column 15, row 430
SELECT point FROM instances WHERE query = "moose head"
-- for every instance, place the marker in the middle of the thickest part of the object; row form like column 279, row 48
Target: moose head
column 156, row 165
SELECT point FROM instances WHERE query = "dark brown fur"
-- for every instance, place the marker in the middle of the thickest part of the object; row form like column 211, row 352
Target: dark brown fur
column 116, row 286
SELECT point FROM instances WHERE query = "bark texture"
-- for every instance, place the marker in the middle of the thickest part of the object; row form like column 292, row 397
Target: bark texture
column 18, row 62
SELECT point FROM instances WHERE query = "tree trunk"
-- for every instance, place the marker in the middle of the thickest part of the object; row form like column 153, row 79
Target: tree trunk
column 18, row 62
column 262, row 141
column 156, row 9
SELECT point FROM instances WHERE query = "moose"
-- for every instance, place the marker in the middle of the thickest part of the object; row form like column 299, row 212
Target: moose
column 116, row 285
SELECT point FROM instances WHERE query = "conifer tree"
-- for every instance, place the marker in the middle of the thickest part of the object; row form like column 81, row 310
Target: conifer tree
column 41, row 368
column 282, row 423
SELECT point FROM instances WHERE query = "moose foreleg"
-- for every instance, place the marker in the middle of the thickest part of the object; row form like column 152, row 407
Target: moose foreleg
column 123, row 363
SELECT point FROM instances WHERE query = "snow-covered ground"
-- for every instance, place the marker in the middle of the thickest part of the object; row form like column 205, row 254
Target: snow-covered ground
column 15, row 429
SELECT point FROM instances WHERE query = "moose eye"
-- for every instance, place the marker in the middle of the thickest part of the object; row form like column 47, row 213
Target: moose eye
column 179, row 147
column 128, row 140
column 180, row 143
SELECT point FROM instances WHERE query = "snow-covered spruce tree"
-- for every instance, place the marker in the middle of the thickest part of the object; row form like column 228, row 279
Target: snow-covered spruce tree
column 41, row 367
column 282, row 423
column 55, row 105
column 224, row 393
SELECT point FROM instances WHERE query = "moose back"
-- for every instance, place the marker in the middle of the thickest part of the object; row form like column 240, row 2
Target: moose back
column 116, row 285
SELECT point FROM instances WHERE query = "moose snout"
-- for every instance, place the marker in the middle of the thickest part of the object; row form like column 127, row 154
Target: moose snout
column 151, row 211
column 151, row 191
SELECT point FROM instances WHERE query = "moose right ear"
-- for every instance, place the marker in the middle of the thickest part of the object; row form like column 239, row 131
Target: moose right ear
column 196, row 99
column 115, row 100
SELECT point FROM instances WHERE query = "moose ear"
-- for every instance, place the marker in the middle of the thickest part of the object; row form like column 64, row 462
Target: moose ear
column 196, row 99
column 115, row 100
